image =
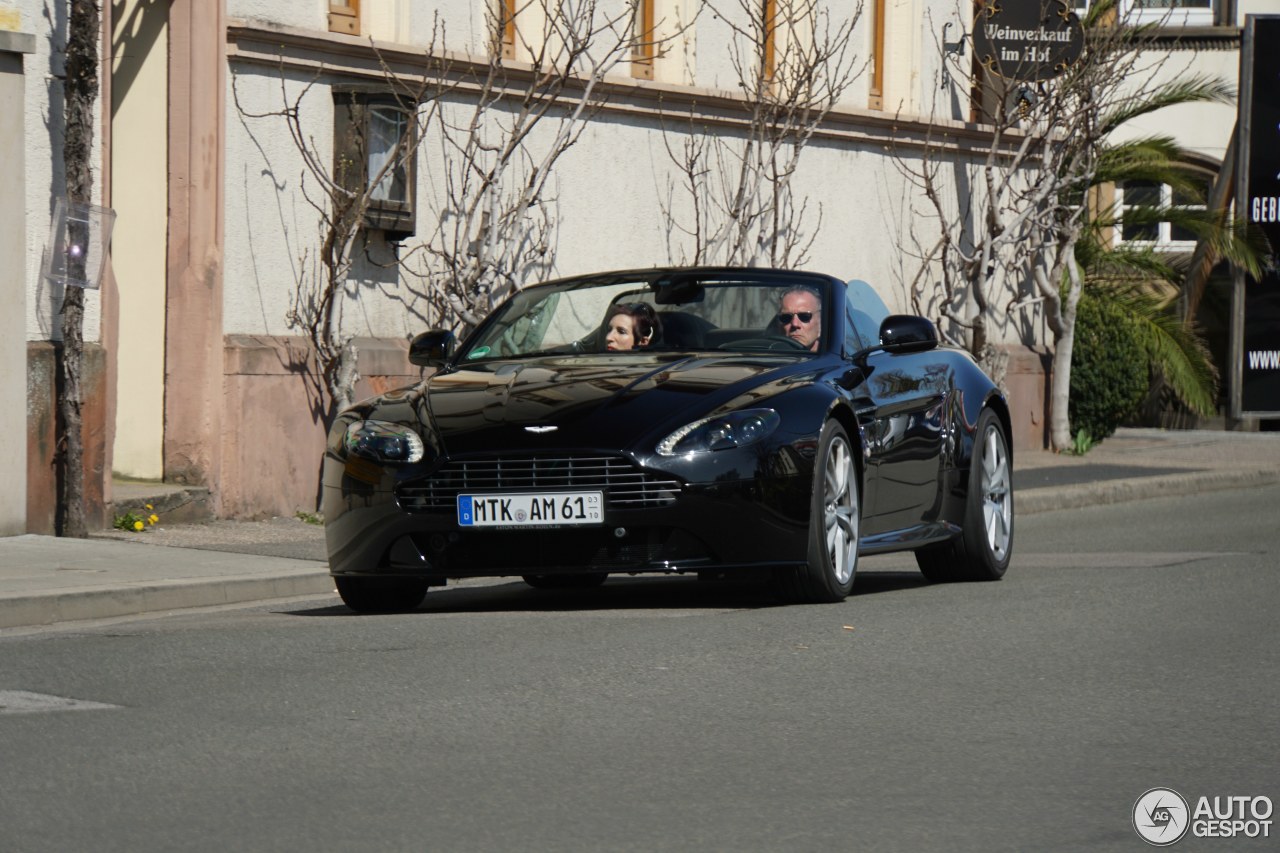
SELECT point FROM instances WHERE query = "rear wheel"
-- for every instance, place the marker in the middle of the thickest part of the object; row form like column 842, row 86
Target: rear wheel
column 983, row 549
column 381, row 595
column 584, row 581
column 834, row 519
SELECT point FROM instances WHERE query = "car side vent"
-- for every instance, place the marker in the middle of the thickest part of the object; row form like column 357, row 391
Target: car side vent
column 625, row 485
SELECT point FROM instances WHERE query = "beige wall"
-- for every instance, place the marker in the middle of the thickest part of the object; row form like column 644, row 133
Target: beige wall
column 139, row 168
column 902, row 35
column 387, row 20
column 13, row 247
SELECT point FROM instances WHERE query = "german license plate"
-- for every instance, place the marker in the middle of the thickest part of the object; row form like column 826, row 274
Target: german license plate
column 547, row 509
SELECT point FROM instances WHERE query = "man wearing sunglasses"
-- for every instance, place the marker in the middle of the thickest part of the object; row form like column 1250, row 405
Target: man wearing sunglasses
column 800, row 316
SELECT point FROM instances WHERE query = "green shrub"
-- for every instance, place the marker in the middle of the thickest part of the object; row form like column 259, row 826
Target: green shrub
column 1109, row 368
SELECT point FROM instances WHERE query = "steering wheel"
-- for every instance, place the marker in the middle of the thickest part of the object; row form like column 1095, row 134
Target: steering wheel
column 765, row 342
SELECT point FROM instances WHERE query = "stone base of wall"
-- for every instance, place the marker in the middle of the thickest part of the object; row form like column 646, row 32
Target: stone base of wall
column 275, row 419
column 42, row 420
column 1026, row 382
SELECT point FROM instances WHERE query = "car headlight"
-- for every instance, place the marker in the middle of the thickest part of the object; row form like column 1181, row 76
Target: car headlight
column 723, row 432
column 383, row 442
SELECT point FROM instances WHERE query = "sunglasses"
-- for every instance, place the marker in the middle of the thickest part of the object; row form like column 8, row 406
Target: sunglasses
column 805, row 317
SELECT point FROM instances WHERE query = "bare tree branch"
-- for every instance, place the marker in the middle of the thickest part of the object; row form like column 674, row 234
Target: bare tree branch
column 494, row 132
column 792, row 69
column 1023, row 217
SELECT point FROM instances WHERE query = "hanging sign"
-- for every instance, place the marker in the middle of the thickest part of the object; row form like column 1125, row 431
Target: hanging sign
column 1259, row 366
column 1026, row 40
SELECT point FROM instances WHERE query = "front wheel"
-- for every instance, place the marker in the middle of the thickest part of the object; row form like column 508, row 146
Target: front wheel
column 983, row 549
column 834, row 518
column 381, row 595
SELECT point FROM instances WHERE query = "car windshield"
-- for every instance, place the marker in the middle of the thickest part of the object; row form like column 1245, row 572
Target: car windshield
column 612, row 314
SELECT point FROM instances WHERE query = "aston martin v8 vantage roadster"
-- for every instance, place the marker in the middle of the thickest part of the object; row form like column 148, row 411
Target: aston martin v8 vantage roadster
column 708, row 421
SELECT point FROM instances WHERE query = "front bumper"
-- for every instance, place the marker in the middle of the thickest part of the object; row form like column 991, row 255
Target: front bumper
column 740, row 524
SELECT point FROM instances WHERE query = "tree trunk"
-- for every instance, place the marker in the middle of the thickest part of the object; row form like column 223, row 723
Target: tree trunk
column 1064, row 341
column 80, row 88
column 1060, row 391
column 346, row 372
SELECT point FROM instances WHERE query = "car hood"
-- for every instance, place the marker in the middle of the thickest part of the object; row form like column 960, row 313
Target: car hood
column 606, row 402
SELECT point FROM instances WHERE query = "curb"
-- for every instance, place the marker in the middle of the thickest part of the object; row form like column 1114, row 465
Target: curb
column 1047, row 499
column 28, row 611
column 38, row 610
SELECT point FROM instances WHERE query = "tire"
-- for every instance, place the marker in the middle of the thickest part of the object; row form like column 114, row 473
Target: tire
column 835, row 516
column 584, row 581
column 381, row 595
column 982, row 550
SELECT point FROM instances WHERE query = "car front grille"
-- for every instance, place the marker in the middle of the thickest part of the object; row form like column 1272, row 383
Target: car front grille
column 625, row 486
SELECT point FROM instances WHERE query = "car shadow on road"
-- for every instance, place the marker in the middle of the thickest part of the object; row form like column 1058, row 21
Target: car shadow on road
column 625, row 594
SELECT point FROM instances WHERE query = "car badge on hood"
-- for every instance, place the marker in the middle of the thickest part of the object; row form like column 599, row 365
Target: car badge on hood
column 541, row 429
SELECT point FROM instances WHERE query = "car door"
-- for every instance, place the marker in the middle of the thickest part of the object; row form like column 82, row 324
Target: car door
column 900, row 403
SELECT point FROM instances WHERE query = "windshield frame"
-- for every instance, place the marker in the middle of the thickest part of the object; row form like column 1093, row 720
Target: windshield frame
column 532, row 331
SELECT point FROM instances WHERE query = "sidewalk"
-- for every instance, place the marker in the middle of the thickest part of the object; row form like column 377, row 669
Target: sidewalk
column 46, row 580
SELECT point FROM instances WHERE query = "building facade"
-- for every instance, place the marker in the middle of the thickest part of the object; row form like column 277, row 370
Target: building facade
column 198, row 369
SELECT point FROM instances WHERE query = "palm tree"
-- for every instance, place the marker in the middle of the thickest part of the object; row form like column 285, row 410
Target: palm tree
column 1144, row 284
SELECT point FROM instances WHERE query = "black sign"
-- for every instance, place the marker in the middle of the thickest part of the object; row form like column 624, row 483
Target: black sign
column 1026, row 39
column 1260, row 120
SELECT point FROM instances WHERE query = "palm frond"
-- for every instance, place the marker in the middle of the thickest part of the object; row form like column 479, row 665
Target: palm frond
column 1149, row 158
column 1174, row 349
column 1129, row 262
column 1233, row 240
column 1198, row 88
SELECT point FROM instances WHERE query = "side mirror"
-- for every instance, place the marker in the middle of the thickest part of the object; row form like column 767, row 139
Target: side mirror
column 907, row 333
column 432, row 349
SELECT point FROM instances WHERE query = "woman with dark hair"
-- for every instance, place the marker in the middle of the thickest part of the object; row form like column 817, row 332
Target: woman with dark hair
column 631, row 326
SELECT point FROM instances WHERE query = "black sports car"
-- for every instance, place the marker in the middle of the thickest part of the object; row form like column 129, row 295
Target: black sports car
column 715, row 421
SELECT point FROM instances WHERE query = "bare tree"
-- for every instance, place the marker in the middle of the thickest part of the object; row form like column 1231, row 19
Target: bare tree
column 496, row 129
column 340, row 190
column 492, row 205
column 1016, row 226
column 80, row 88
column 793, row 61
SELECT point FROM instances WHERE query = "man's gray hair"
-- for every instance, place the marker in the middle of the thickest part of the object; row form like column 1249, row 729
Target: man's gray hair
column 803, row 288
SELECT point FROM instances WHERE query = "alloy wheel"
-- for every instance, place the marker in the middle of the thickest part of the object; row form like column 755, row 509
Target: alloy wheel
column 840, row 511
column 997, row 508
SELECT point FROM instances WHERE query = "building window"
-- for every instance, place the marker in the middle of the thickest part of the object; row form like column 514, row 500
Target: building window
column 374, row 154
column 388, row 125
column 769, row 38
column 875, row 93
column 504, row 28
column 1150, row 194
column 344, row 16
column 644, row 54
column 1174, row 13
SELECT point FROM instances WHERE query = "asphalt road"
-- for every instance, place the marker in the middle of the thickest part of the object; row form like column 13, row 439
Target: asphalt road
column 1131, row 646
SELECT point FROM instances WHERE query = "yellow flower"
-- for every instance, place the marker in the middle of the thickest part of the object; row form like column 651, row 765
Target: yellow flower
column 149, row 506
column 154, row 518
column 137, row 525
